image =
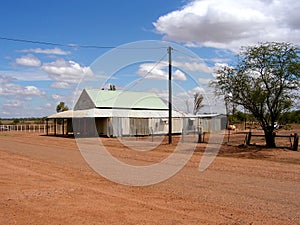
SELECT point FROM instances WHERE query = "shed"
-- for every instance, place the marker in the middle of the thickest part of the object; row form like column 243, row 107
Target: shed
column 120, row 113
column 212, row 122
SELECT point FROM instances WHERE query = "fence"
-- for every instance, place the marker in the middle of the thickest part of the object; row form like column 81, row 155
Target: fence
column 293, row 139
column 35, row 128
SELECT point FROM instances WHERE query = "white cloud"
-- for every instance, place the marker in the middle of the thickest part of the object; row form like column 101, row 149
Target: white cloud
column 66, row 72
column 178, row 75
column 158, row 72
column 5, row 79
column 211, row 102
column 57, row 97
column 28, row 60
column 193, row 66
column 204, row 80
column 62, row 85
column 69, row 98
column 230, row 24
column 10, row 89
column 32, row 91
column 31, row 74
column 28, row 98
column 53, row 51
column 13, row 104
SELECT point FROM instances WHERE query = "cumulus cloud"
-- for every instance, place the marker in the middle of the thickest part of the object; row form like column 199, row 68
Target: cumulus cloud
column 52, row 51
column 28, row 60
column 230, row 24
column 66, row 72
column 204, row 80
column 22, row 74
column 158, row 72
column 32, row 91
column 179, row 75
column 15, row 96
column 5, row 79
column 193, row 66
column 211, row 102
column 57, row 97
column 13, row 104
column 68, row 98
column 16, row 90
column 62, row 85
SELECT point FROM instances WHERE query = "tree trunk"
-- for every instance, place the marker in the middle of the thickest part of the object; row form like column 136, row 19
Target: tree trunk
column 270, row 139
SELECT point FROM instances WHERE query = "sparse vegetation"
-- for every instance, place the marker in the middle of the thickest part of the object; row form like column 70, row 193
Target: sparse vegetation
column 291, row 117
column 198, row 98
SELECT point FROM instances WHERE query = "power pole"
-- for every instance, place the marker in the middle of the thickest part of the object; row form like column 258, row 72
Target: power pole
column 170, row 94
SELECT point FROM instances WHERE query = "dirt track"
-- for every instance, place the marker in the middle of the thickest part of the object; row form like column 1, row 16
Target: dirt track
column 44, row 180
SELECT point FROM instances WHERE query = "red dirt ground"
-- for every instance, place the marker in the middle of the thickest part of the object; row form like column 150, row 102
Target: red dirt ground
column 44, row 180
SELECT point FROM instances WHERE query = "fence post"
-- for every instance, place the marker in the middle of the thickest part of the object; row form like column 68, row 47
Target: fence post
column 249, row 138
column 296, row 142
column 47, row 132
column 55, row 127
column 151, row 130
column 199, row 134
column 63, row 126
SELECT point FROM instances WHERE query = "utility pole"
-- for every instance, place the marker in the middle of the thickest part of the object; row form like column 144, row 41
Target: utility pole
column 170, row 94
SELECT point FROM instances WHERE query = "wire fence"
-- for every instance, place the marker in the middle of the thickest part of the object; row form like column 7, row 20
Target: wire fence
column 34, row 128
column 185, row 136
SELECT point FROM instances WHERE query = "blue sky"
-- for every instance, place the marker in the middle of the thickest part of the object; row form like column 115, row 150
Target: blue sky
column 205, row 33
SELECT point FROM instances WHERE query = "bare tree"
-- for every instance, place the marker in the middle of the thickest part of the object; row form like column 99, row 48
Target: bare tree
column 198, row 98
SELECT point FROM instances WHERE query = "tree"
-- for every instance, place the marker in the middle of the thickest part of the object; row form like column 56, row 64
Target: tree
column 198, row 98
column 264, row 81
column 16, row 121
column 61, row 107
column 112, row 87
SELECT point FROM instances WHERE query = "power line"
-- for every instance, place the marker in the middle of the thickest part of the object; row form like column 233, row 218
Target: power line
column 71, row 45
column 208, row 62
column 53, row 43
column 184, row 53
column 148, row 72
column 155, row 65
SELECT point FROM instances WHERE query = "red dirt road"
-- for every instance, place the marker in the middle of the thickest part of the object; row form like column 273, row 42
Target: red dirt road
column 44, row 180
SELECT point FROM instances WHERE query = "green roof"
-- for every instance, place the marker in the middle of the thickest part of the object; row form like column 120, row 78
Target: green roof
column 125, row 99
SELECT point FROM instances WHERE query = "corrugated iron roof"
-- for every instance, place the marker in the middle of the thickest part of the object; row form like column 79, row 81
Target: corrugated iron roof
column 207, row 115
column 123, row 113
column 125, row 99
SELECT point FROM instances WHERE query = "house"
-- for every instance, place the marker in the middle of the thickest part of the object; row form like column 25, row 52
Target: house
column 120, row 113
column 124, row 113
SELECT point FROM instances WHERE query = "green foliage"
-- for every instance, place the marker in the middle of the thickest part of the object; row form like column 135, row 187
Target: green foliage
column 61, row 107
column 238, row 117
column 16, row 121
column 264, row 81
column 291, row 117
column 112, row 87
